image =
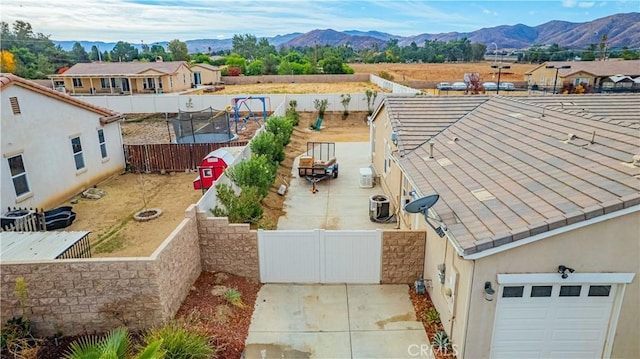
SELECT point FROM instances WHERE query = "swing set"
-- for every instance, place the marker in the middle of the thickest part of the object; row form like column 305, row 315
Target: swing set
column 241, row 104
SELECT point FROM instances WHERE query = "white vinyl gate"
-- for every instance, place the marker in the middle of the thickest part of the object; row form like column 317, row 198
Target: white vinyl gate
column 320, row 256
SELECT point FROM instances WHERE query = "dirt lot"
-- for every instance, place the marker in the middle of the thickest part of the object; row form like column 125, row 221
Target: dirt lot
column 297, row 88
column 114, row 233
column 444, row 72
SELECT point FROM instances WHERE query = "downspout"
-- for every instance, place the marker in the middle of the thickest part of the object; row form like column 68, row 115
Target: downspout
column 466, row 324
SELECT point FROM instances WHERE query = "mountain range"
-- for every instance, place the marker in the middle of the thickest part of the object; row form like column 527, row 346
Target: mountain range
column 621, row 30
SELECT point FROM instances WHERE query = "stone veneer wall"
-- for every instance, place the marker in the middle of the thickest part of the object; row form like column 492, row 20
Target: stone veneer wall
column 78, row 296
column 178, row 263
column 228, row 247
column 402, row 256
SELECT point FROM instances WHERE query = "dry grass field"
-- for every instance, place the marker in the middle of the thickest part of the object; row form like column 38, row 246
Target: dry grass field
column 444, row 72
column 298, row 88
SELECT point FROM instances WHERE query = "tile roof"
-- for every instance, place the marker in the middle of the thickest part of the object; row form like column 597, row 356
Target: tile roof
column 596, row 68
column 504, row 172
column 415, row 120
column 7, row 80
column 206, row 66
column 121, row 68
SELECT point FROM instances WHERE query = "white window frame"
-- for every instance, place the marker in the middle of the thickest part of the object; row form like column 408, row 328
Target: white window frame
column 78, row 154
column 21, row 174
column 102, row 144
column 387, row 158
column 207, row 172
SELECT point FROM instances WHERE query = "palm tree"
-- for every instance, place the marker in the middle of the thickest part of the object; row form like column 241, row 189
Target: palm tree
column 114, row 346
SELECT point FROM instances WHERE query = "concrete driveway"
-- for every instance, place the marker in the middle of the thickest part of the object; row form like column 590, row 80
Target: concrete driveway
column 334, row 321
column 339, row 203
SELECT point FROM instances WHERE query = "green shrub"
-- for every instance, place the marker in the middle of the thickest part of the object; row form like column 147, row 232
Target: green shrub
column 239, row 208
column 441, row 341
column 321, row 106
column 292, row 114
column 258, row 172
column 269, row 145
column 281, row 127
column 180, row 343
column 234, row 297
column 385, row 75
column 431, row 316
column 344, row 100
column 371, row 100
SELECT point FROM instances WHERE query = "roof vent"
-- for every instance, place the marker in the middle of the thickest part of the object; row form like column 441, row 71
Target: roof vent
column 454, row 139
column 636, row 160
column 159, row 59
column 571, row 137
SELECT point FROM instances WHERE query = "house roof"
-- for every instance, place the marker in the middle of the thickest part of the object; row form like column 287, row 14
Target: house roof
column 7, row 80
column 416, row 121
column 206, row 66
column 505, row 172
column 596, row 68
column 122, row 68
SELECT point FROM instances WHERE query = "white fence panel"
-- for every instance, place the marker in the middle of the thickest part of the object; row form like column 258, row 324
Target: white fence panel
column 352, row 257
column 289, row 256
column 319, row 256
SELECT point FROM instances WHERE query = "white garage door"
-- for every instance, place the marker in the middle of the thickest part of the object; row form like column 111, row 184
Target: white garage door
column 552, row 320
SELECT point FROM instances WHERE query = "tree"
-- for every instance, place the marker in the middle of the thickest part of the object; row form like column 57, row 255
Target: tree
column 78, row 53
column 332, row 65
column 123, row 52
column 178, row 50
column 7, row 62
column 255, row 68
column 94, row 55
column 245, row 45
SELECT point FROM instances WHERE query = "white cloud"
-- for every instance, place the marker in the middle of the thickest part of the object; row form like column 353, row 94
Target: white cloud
column 569, row 3
column 586, row 4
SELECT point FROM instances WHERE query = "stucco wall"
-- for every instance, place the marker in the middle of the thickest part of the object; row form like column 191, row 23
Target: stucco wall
column 391, row 181
column 402, row 256
column 610, row 246
column 228, row 247
column 42, row 134
column 457, row 282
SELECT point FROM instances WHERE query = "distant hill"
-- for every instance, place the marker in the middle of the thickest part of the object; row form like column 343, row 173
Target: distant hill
column 621, row 30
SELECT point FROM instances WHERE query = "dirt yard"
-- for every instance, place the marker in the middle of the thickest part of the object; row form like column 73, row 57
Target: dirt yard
column 444, row 72
column 296, row 88
column 114, row 233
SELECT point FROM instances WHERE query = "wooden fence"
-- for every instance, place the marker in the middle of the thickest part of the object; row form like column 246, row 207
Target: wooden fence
column 170, row 156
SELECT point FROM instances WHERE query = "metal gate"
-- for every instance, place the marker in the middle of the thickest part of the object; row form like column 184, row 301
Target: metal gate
column 320, row 256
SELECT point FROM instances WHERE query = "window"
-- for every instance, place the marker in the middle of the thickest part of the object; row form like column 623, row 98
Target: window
column 207, row 172
column 599, row 290
column 77, row 82
column 103, row 143
column 77, row 152
column 149, row 83
column 106, row 82
column 512, row 292
column 18, row 175
column 387, row 158
column 541, row 291
column 580, row 80
column 570, row 290
column 15, row 105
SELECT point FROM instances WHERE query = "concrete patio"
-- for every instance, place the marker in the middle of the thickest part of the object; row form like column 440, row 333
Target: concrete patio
column 339, row 203
column 334, row 321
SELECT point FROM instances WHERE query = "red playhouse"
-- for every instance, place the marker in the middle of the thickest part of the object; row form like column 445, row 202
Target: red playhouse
column 212, row 167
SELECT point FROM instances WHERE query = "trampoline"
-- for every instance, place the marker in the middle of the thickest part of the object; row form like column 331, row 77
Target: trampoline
column 204, row 126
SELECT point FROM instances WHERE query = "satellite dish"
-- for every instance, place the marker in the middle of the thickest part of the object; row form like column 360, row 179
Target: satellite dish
column 422, row 205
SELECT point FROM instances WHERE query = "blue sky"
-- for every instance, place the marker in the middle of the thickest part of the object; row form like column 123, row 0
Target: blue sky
column 163, row 20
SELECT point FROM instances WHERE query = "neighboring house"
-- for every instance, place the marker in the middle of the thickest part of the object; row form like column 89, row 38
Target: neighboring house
column 124, row 78
column 205, row 74
column 592, row 73
column 618, row 82
column 53, row 145
column 528, row 186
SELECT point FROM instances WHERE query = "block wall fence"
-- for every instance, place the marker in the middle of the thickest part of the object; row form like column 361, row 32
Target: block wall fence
column 79, row 296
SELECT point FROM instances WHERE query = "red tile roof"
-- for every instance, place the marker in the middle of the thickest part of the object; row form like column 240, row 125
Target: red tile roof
column 510, row 168
column 7, row 80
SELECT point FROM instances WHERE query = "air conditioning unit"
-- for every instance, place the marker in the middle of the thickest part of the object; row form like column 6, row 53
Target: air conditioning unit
column 366, row 178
